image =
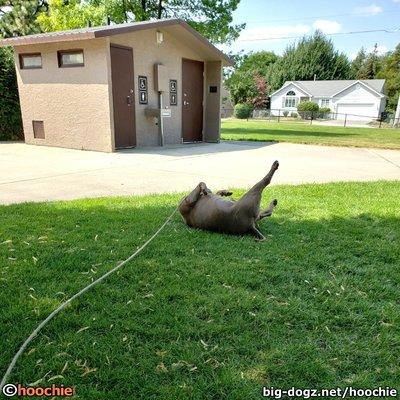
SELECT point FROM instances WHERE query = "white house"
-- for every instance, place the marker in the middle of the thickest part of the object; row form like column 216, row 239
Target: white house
column 358, row 100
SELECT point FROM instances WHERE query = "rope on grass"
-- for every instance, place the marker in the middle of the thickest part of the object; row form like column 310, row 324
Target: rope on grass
column 82, row 291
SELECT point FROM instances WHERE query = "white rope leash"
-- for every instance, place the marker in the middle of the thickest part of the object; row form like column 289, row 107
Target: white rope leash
column 63, row 305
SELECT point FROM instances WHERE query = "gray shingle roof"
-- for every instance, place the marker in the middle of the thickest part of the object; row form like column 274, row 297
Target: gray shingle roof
column 329, row 88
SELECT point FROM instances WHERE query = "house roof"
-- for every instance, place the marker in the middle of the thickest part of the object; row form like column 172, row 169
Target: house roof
column 331, row 88
column 181, row 27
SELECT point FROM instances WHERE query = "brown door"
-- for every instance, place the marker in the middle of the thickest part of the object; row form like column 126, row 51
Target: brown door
column 192, row 100
column 123, row 96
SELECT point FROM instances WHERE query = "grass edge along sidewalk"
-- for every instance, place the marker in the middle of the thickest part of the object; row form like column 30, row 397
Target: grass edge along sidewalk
column 302, row 133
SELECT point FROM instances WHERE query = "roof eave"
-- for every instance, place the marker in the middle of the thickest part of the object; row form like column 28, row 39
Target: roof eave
column 293, row 83
column 111, row 31
column 29, row 40
column 381, row 95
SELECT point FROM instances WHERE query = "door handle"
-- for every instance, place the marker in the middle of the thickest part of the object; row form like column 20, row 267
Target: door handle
column 128, row 100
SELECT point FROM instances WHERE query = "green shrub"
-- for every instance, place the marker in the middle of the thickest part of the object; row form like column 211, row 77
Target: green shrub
column 324, row 110
column 243, row 110
column 294, row 115
column 307, row 109
column 10, row 112
column 285, row 113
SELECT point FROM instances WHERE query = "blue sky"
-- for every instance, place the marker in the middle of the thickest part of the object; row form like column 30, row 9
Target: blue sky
column 277, row 19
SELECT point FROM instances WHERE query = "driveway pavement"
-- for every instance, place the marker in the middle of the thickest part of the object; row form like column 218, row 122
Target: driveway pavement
column 36, row 173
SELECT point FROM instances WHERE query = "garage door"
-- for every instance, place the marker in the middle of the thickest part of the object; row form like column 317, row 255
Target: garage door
column 357, row 112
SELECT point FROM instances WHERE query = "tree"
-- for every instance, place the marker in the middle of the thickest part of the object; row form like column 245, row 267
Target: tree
column 10, row 114
column 312, row 57
column 258, row 62
column 247, row 83
column 260, row 99
column 357, row 63
column 64, row 15
column 371, row 65
column 18, row 17
column 390, row 71
column 213, row 19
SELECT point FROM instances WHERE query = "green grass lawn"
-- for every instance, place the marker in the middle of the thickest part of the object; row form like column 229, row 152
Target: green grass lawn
column 201, row 315
column 261, row 130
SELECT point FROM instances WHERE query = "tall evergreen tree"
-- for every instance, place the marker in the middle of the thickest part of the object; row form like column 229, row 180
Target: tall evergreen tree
column 312, row 57
column 357, row 63
column 371, row 65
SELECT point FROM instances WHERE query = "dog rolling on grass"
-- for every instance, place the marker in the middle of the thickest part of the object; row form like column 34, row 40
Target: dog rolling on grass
column 205, row 210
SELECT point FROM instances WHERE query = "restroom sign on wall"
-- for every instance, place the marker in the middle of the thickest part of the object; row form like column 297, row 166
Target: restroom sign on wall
column 142, row 85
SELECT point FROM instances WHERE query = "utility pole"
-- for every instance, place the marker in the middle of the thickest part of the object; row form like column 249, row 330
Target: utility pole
column 396, row 120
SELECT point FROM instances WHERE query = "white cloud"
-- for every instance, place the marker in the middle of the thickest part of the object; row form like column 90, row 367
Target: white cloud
column 273, row 32
column 327, row 26
column 372, row 9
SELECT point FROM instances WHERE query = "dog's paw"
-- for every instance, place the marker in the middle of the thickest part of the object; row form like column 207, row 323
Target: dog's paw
column 203, row 188
column 275, row 165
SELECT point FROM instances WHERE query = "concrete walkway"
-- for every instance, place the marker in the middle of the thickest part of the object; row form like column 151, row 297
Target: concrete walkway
column 36, row 173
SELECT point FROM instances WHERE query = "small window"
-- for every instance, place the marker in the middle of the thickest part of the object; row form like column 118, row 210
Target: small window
column 70, row 58
column 324, row 102
column 290, row 93
column 38, row 129
column 30, row 61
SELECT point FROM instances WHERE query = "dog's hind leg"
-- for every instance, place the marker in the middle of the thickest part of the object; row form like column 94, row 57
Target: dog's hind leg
column 250, row 202
column 268, row 211
column 260, row 186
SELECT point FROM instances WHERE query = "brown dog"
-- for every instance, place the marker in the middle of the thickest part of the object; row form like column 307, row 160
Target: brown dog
column 205, row 210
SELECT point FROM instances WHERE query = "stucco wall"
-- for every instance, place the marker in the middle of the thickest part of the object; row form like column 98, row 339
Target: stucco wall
column 146, row 53
column 72, row 102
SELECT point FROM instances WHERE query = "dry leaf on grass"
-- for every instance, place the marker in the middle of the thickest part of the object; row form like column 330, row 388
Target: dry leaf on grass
column 82, row 329
column 55, row 377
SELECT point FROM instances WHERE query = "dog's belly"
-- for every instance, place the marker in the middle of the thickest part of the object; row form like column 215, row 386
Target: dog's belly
column 216, row 214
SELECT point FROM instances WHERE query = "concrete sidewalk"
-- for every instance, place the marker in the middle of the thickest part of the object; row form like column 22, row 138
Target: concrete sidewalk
column 36, row 173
